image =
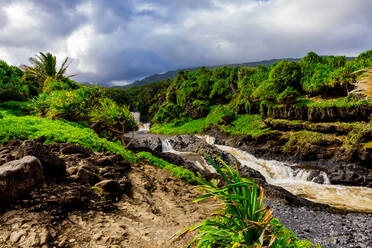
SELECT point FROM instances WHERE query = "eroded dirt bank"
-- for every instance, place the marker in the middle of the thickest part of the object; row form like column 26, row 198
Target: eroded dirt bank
column 158, row 207
column 148, row 208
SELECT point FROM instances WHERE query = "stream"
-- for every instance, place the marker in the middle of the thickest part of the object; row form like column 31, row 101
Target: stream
column 310, row 184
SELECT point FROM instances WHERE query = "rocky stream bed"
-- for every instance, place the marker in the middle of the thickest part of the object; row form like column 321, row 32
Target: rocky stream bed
column 77, row 198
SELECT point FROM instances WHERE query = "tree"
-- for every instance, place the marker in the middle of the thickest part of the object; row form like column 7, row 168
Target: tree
column 111, row 121
column 44, row 65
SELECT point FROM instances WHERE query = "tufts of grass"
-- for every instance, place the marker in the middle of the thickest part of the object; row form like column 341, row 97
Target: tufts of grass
column 177, row 171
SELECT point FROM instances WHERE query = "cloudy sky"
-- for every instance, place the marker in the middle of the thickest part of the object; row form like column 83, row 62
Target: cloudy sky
column 118, row 41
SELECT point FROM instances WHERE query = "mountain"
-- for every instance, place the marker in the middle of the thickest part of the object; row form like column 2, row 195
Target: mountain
column 172, row 74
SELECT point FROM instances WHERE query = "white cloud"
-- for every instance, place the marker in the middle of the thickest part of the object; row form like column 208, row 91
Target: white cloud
column 113, row 41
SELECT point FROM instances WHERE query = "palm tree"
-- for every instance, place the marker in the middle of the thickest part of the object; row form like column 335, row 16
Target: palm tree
column 45, row 65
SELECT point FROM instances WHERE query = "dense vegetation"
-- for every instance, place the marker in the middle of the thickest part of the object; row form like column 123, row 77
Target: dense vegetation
column 192, row 95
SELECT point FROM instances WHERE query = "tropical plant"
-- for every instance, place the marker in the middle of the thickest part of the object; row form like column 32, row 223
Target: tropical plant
column 242, row 221
column 44, row 65
column 112, row 120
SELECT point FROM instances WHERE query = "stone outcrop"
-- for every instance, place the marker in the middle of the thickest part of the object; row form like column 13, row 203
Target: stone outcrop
column 53, row 166
column 320, row 114
column 18, row 177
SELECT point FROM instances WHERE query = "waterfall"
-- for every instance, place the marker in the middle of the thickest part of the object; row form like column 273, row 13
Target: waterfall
column 142, row 127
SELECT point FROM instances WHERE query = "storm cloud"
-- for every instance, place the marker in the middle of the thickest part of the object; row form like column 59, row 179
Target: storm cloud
column 120, row 41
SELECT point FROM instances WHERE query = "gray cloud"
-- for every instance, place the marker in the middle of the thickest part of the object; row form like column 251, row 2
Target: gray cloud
column 125, row 40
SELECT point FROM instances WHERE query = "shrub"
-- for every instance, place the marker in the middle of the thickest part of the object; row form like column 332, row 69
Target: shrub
column 11, row 85
column 285, row 74
column 288, row 96
column 111, row 120
column 31, row 127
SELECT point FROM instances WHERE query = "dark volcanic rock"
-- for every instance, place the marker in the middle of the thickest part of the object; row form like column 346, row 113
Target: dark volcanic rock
column 321, row 114
column 73, row 149
column 87, row 176
column 146, row 143
column 53, row 166
column 107, row 160
column 18, row 177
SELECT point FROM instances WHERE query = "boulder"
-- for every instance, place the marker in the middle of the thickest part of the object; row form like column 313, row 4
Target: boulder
column 109, row 185
column 18, row 177
column 87, row 176
column 53, row 166
column 108, row 160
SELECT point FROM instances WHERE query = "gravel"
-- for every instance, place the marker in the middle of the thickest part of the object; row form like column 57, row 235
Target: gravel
column 330, row 230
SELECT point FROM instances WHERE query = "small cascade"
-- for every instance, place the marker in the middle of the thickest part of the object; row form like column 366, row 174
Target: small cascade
column 137, row 116
column 209, row 139
column 143, row 127
column 195, row 158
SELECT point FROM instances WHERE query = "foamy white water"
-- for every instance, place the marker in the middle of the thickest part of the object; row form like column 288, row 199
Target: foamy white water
column 279, row 174
column 196, row 158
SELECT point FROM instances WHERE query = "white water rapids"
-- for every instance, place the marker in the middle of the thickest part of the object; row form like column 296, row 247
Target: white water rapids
column 295, row 180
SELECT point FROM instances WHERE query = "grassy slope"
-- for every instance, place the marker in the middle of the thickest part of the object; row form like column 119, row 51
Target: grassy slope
column 13, row 125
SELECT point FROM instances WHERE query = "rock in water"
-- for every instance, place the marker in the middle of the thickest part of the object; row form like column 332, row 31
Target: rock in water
column 18, row 177
column 53, row 166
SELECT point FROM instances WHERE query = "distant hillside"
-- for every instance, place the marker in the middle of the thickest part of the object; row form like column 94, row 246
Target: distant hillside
column 173, row 74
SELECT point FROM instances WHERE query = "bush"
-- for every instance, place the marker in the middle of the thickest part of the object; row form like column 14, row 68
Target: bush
column 52, row 84
column 11, row 85
column 111, row 120
column 285, row 74
column 288, row 96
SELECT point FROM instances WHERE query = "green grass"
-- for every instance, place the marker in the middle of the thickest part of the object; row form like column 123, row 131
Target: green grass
column 31, row 127
column 247, row 124
column 177, row 171
column 194, row 126
column 243, row 124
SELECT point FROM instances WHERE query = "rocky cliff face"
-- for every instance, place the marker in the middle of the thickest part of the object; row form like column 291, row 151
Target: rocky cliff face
column 320, row 114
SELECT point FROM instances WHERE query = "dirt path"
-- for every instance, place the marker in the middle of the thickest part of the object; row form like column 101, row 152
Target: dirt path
column 160, row 205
